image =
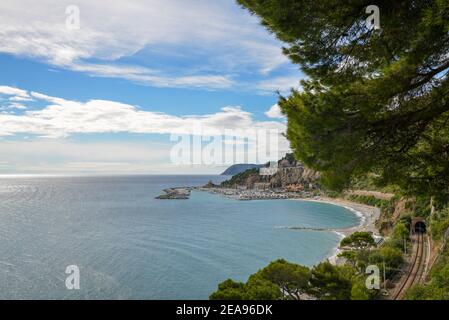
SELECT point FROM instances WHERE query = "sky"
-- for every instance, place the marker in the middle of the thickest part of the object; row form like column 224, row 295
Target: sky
column 113, row 87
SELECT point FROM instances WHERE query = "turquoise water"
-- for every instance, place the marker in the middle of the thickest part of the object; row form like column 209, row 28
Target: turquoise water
column 129, row 245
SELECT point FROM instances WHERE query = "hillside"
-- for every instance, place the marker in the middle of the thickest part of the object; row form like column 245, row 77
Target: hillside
column 289, row 175
column 239, row 168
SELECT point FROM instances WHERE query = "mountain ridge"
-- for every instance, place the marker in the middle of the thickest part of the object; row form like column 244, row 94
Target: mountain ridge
column 239, row 168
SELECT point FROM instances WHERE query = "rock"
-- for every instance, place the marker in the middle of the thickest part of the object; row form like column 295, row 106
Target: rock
column 288, row 173
column 210, row 184
column 175, row 194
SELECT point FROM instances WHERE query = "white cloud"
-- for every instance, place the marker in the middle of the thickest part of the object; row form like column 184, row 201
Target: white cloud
column 16, row 98
column 228, row 38
column 275, row 112
column 19, row 99
column 14, row 106
column 43, row 143
column 148, row 76
column 12, row 91
column 61, row 118
column 282, row 84
column 62, row 156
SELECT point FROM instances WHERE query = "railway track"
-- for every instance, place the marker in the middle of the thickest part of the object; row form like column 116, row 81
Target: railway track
column 415, row 270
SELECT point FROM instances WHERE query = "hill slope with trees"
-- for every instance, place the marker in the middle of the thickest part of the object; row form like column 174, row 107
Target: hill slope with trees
column 375, row 103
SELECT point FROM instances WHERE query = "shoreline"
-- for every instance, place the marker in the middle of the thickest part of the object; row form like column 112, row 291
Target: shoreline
column 368, row 216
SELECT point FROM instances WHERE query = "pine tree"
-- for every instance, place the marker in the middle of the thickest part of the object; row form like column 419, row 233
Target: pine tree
column 374, row 100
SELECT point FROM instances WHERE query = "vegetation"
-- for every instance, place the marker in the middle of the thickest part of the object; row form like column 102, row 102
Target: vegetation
column 438, row 287
column 420, row 205
column 386, row 206
column 439, row 224
column 282, row 280
column 288, row 281
column 358, row 241
column 239, row 168
column 372, row 113
column 375, row 101
column 360, row 251
column 240, row 178
column 370, row 182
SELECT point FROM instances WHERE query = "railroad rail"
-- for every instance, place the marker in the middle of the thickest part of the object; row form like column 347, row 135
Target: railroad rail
column 416, row 268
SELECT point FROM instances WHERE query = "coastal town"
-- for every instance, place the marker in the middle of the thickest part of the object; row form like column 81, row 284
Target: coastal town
column 284, row 179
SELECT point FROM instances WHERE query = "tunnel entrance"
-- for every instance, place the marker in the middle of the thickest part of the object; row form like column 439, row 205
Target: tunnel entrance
column 420, row 227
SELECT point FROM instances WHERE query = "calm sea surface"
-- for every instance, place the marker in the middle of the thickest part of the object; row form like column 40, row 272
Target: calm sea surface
column 128, row 245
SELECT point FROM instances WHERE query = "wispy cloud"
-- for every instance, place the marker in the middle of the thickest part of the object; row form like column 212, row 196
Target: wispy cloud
column 61, row 118
column 281, row 84
column 152, row 77
column 226, row 40
column 15, row 92
column 13, row 106
column 38, row 140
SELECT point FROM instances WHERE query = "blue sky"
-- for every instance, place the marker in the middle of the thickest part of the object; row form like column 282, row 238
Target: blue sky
column 105, row 96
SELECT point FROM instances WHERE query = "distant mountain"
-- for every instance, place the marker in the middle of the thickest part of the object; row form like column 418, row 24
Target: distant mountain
column 239, row 168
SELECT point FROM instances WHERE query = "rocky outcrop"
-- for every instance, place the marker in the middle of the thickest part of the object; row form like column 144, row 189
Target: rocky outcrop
column 175, row 194
column 287, row 173
column 286, row 176
column 246, row 179
column 210, row 184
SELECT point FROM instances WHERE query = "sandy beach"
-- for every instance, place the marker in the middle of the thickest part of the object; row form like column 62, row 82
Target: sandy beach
column 368, row 217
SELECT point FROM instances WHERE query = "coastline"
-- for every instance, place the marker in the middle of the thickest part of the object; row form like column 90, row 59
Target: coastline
column 368, row 216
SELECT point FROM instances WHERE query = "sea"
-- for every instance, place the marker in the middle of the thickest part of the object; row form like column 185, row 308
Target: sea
column 112, row 237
